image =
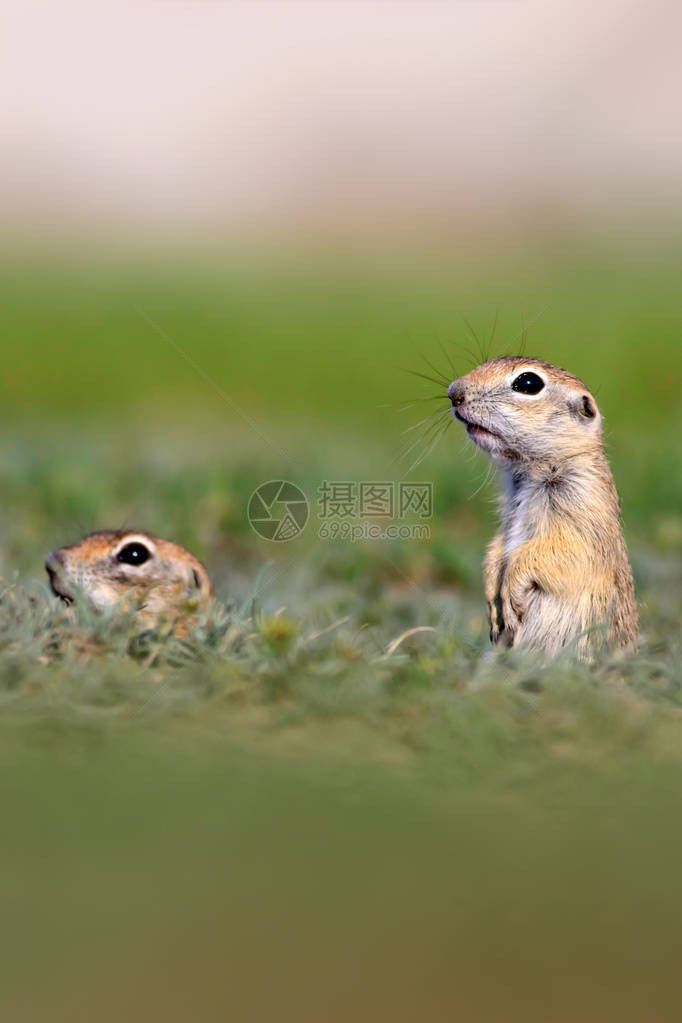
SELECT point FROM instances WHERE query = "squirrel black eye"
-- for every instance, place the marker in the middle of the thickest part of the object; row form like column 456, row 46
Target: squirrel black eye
column 133, row 554
column 528, row 383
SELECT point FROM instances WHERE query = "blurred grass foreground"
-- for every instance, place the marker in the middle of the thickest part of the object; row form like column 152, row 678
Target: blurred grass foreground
column 306, row 810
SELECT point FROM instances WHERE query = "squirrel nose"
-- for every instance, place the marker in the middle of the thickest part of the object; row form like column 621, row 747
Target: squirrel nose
column 456, row 393
column 54, row 561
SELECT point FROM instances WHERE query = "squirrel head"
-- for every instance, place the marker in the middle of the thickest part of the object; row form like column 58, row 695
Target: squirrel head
column 526, row 410
column 132, row 571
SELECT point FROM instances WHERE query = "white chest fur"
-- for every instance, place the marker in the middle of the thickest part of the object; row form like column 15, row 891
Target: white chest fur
column 523, row 510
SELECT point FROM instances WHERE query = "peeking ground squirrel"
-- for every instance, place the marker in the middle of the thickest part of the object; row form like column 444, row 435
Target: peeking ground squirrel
column 557, row 571
column 157, row 579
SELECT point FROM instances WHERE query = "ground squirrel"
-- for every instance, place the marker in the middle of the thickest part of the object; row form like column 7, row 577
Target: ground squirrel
column 557, row 572
column 156, row 579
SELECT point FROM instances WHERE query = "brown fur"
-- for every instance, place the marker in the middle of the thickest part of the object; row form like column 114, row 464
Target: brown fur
column 171, row 586
column 557, row 572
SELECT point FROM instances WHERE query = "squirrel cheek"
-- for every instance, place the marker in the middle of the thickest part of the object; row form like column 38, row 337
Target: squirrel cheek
column 101, row 595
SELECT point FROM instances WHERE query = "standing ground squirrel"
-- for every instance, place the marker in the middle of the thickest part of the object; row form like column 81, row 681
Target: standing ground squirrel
column 155, row 578
column 557, row 571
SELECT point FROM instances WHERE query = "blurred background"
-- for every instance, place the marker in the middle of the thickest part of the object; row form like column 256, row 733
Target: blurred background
column 340, row 119
column 232, row 234
column 295, row 203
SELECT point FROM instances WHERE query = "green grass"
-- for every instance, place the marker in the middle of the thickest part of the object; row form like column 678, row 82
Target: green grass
column 286, row 814
column 324, row 341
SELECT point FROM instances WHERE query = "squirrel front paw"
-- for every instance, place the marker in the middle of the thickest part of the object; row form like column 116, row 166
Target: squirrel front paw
column 500, row 634
column 495, row 619
column 514, row 600
column 508, row 610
